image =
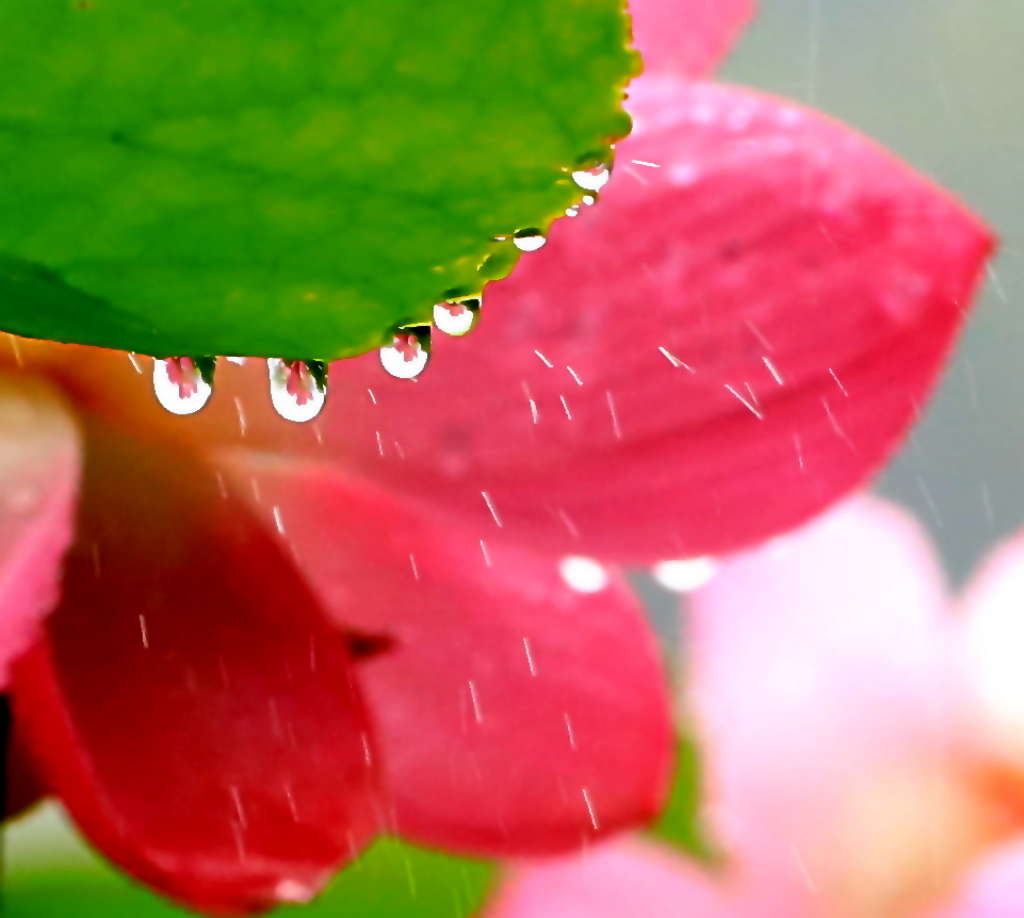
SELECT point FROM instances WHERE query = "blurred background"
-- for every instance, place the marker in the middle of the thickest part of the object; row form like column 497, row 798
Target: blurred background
column 939, row 83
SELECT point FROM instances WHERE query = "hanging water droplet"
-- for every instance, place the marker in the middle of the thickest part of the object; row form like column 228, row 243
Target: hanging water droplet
column 593, row 179
column 456, row 318
column 408, row 352
column 183, row 385
column 529, row 240
column 573, row 211
column 684, row 575
column 585, row 575
column 298, row 388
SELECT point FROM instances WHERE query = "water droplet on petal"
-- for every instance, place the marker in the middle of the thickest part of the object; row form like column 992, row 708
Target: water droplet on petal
column 593, row 179
column 456, row 318
column 529, row 240
column 590, row 199
column 684, row 575
column 585, row 575
column 298, row 388
column 180, row 384
column 573, row 211
column 407, row 355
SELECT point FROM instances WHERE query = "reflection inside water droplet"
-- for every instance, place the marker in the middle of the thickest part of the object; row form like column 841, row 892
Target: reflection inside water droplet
column 529, row 240
column 180, row 386
column 593, row 179
column 298, row 388
column 407, row 355
column 456, row 318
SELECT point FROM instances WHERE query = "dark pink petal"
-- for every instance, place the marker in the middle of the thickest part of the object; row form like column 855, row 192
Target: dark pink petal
column 730, row 340
column 823, row 683
column 613, row 881
column 513, row 713
column 39, row 461
column 687, row 37
column 188, row 703
column 21, row 787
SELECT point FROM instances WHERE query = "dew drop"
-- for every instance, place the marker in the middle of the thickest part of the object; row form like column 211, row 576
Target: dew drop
column 590, row 199
column 593, row 179
column 529, row 240
column 585, row 575
column 456, row 318
column 180, row 384
column 573, row 211
column 298, row 388
column 684, row 575
column 407, row 355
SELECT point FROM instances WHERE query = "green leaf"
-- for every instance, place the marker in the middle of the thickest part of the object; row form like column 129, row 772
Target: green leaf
column 283, row 178
column 681, row 822
column 391, row 879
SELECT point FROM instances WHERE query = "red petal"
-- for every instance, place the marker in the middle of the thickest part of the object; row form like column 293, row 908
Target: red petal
column 740, row 336
column 188, row 704
column 39, row 457
column 687, row 37
column 21, row 787
column 513, row 714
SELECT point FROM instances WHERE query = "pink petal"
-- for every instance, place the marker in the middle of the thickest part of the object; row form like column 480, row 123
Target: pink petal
column 513, row 714
column 824, row 688
column 722, row 347
column 39, row 458
column 612, row 881
column 992, row 623
column 687, row 37
column 188, row 704
column 994, row 889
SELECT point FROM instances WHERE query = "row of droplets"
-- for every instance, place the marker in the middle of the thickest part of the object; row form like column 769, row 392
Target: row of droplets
column 298, row 388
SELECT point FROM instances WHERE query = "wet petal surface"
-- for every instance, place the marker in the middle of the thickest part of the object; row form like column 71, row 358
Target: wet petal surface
column 514, row 713
column 188, row 704
column 738, row 333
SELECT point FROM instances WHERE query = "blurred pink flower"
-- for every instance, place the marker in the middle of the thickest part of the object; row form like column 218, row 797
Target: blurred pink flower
column 851, row 717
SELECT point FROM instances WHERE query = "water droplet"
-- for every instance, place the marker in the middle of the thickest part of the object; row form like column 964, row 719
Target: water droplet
column 407, row 355
column 684, row 575
column 298, row 388
column 181, row 385
column 593, row 179
column 585, row 575
column 293, row 891
column 456, row 318
column 590, row 199
column 573, row 211
column 529, row 240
